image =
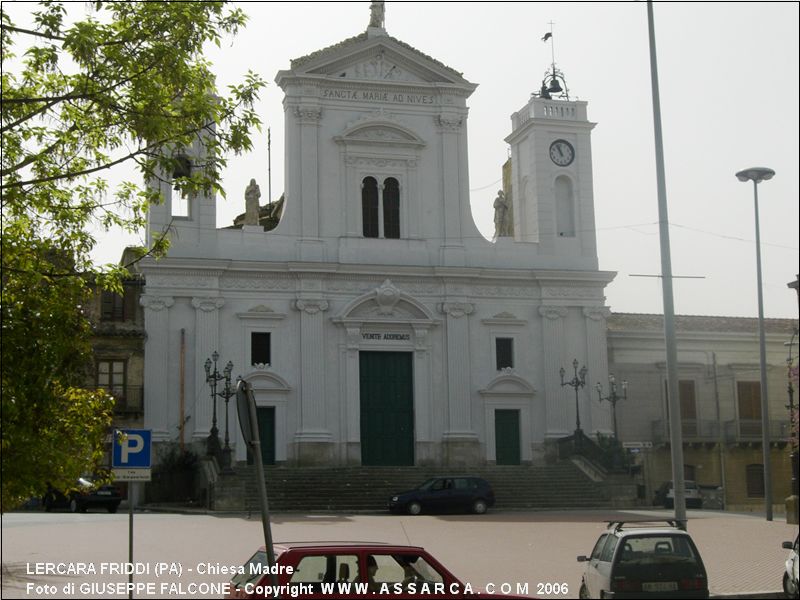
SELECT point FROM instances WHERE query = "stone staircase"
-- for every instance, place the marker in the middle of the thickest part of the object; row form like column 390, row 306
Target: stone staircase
column 559, row 486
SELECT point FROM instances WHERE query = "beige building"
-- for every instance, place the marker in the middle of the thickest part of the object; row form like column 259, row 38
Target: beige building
column 718, row 368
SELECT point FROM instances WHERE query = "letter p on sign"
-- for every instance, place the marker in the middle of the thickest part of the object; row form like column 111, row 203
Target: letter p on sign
column 131, row 448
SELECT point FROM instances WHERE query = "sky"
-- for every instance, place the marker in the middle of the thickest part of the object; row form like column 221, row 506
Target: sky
column 728, row 77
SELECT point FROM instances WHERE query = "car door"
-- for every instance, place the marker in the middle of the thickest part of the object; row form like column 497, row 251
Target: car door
column 438, row 495
column 590, row 576
column 603, row 568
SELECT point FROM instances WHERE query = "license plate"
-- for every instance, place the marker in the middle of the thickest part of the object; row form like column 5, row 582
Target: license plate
column 660, row 586
column 103, row 493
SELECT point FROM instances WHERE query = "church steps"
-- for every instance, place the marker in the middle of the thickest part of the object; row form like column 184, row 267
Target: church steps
column 369, row 488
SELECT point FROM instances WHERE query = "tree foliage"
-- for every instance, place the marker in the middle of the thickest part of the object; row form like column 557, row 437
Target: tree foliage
column 126, row 84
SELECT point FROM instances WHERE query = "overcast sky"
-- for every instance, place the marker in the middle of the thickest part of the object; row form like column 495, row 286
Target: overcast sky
column 729, row 99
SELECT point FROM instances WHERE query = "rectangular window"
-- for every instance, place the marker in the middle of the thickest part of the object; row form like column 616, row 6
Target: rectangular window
column 260, row 348
column 111, row 376
column 754, row 476
column 748, row 399
column 504, row 353
column 112, row 306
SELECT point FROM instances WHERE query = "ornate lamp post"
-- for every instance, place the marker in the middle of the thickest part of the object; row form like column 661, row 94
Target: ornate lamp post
column 212, row 377
column 612, row 397
column 757, row 175
column 791, row 406
column 577, row 383
column 227, row 393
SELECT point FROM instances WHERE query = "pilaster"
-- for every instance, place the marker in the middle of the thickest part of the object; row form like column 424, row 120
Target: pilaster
column 313, row 439
column 460, row 440
column 206, row 342
column 156, row 364
column 599, row 413
column 559, row 418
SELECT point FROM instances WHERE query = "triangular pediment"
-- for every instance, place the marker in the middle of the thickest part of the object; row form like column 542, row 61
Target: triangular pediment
column 380, row 58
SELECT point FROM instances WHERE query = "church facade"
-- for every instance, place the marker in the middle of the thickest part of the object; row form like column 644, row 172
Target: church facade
column 376, row 325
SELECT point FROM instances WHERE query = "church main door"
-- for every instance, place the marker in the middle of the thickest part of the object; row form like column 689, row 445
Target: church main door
column 506, row 435
column 387, row 408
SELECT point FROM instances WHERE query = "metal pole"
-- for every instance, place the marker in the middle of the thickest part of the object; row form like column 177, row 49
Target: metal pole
column 675, row 433
column 763, row 360
column 720, row 434
column 131, row 494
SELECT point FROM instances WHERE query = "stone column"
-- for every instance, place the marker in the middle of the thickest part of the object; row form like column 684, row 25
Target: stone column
column 599, row 414
column 560, row 416
column 313, row 439
column 352, row 397
column 156, row 365
column 206, row 342
column 461, row 445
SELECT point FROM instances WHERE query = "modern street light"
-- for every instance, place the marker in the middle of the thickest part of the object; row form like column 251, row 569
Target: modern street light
column 612, row 397
column 576, row 383
column 757, row 175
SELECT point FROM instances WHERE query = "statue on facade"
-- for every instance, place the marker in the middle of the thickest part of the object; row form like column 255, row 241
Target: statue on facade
column 251, row 196
column 377, row 15
column 502, row 216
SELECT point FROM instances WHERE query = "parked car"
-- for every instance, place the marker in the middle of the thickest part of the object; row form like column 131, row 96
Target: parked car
column 791, row 587
column 442, row 494
column 85, row 495
column 351, row 570
column 640, row 559
column 665, row 495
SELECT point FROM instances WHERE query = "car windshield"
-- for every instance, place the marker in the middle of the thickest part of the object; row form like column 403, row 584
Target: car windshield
column 659, row 549
column 253, row 570
column 428, row 484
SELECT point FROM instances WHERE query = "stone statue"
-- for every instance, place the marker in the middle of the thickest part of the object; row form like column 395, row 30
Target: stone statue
column 502, row 216
column 251, row 197
column 377, row 14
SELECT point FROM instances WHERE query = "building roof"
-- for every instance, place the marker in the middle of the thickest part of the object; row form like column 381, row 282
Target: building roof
column 690, row 323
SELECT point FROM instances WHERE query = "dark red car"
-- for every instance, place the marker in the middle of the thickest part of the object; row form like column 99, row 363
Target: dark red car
column 350, row 570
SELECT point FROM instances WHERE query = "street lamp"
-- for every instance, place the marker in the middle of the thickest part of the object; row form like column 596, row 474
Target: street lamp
column 227, row 393
column 792, row 432
column 757, row 175
column 612, row 397
column 576, row 383
column 212, row 377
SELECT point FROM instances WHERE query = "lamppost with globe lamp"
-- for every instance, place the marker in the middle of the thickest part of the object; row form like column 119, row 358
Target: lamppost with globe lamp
column 212, row 378
column 577, row 382
column 757, row 175
column 612, row 397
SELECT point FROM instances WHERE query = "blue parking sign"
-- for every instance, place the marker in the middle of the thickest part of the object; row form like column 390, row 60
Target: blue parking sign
column 131, row 449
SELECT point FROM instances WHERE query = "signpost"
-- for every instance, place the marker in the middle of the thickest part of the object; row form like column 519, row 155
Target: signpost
column 131, row 461
column 248, row 421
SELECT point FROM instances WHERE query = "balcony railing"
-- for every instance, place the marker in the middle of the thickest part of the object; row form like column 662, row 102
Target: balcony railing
column 750, row 430
column 129, row 399
column 692, row 430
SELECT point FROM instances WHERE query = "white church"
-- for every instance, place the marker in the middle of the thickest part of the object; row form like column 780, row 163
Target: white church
column 375, row 323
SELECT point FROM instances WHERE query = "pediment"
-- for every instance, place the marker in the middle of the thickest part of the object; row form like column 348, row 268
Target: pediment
column 381, row 58
column 386, row 303
column 508, row 384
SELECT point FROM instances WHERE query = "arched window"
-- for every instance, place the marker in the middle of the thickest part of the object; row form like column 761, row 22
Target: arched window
column 369, row 206
column 391, row 208
column 565, row 207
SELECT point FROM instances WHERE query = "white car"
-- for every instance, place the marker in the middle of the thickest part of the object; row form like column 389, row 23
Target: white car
column 790, row 578
column 644, row 559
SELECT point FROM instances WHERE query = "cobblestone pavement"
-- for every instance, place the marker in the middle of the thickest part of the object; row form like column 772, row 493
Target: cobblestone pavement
column 743, row 553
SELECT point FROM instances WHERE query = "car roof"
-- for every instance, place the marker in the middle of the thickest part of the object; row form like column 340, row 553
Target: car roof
column 645, row 527
column 342, row 545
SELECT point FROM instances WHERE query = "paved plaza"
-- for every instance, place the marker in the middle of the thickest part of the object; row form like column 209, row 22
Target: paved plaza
column 742, row 553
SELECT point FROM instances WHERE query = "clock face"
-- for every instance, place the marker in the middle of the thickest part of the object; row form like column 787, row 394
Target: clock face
column 562, row 153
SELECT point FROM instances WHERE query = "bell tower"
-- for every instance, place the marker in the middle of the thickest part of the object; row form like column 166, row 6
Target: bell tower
column 552, row 172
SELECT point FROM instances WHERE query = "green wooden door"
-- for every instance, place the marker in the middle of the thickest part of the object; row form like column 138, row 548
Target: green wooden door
column 387, row 408
column 506, row 435
column 266, row 435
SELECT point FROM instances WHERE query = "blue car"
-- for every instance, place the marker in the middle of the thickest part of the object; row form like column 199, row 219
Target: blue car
column 445, row 494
